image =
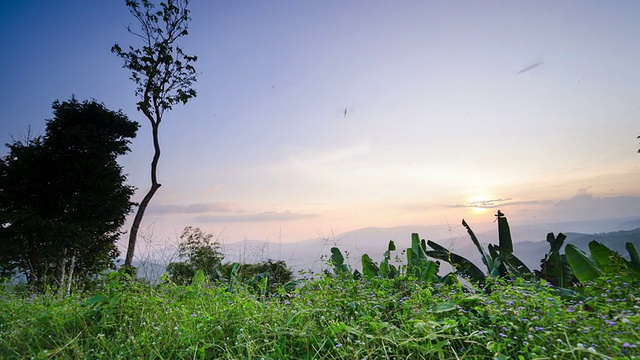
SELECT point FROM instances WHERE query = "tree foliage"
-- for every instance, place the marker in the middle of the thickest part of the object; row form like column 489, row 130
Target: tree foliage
column 199, row 251
column 276, row 272
column 63, row 196
column 163, row 74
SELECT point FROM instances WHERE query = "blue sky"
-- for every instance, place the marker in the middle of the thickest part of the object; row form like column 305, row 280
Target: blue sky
column 438, row 117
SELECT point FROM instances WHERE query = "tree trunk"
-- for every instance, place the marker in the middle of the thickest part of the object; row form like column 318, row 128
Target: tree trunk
column 62, row 272
column 70, row 276
column 133, row 234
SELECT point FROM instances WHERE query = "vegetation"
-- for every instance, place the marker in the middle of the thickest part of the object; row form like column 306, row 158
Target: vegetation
column 200, row 253
column 203, row 309
column 163, row 75
column 203, row 254
column 63, row 198
column 328, row 317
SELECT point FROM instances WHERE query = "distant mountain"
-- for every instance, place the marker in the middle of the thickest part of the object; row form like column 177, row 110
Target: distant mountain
column 529, row 243
column 313, row 254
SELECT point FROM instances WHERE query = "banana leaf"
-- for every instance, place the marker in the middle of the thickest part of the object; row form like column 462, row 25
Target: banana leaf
column 417, row 247
column 554, row 266
column 635, row 259
column 462, row 265
column 486, row 259
column 604, row 257
column 369, row 268
column 338, row 261
column 497, row 262
column 387, row 270
column 583, row 266
column 516, row 266
column 504, row 235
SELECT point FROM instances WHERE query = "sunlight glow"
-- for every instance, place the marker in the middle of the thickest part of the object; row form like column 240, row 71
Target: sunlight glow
column 478, row 200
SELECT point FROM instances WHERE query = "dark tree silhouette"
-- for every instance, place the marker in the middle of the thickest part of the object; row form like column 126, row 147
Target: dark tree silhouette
column 163, row 75
column 63, row 197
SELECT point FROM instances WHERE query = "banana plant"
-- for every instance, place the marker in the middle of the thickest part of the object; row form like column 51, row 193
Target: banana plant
column 633, row 254
column 387, row 270
column 462, row 265
column 602, row 261
column 499, row 259
column 369, row 267
column 337, row 259
column 418, row 263
column 554, row 267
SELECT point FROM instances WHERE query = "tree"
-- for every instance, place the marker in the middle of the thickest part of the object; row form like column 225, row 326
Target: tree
column 276, row 272
column 163, row 75
column 200, row 252
column 63, row 196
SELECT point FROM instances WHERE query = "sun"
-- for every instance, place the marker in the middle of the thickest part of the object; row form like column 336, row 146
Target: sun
column 478, row 204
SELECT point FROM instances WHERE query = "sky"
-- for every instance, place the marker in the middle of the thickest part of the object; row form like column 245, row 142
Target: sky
column 315, row 118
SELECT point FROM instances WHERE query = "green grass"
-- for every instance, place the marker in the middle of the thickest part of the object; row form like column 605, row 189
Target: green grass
column 326, row 318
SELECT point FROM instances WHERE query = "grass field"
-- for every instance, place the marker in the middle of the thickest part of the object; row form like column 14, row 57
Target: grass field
column 325, row 317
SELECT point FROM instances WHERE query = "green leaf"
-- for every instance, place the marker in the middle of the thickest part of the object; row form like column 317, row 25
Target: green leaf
column 95, row 299
column 583, row 266
column 516, row 266
column 386, row 270
column 233, row 275
column 554, row 266
column 633, row 253
column 504, row 235
column 391, row 247
column 338, row 261
column 416, row 247
column 462, row 265
column 604, row 257
column 445, row 307
column 486, row 259
column 198, row 278
column 369, row 268
column 429, row 269
column 563, row 272
column 473, row 299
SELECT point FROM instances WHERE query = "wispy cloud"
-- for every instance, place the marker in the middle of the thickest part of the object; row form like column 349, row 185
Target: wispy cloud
column 197, row 208
column 494, row 203
column 266, row 216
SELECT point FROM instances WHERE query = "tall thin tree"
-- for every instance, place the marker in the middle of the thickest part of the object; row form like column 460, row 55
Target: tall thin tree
column 163, row 74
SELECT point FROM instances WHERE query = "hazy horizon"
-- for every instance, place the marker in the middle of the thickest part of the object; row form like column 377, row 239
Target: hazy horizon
column 325, row 117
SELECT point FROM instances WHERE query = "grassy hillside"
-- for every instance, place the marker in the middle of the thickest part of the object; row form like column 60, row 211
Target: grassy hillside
column 325, row 317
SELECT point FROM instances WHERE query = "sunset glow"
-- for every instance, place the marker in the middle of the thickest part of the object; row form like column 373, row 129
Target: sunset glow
column 328, row 116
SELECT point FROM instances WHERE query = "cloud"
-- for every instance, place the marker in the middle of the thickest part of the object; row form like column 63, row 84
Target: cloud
column 585, row 205
column 197, row 208
column 258, row 217
column 495, row 203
